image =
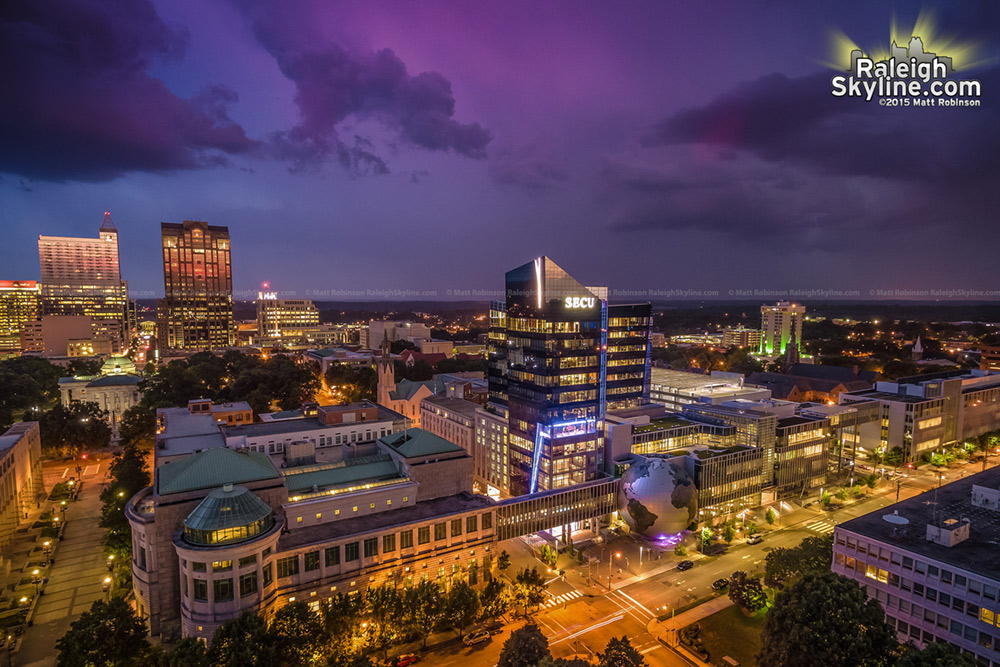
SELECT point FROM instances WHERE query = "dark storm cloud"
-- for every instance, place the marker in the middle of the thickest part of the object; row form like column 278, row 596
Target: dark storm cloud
column 784, row 119
column 80, row 105
column 781, row 158
column 333, row 85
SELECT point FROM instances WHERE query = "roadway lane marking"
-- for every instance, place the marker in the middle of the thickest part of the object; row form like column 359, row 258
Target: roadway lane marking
column 65, row 472
column 636, row 603
column 651, row 648
column 607, row 621
column 630, row 610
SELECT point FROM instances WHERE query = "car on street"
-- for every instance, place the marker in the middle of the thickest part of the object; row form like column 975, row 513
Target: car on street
column 755, row 539
column 406, row 660
column 685, row 565
column 476, row 637
column 719, row 584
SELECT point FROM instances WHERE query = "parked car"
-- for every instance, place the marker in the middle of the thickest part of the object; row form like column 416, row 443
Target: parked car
column 685, row 565
column 719, row 584
column 476, row 637
column 406, row 659
column 755, row 539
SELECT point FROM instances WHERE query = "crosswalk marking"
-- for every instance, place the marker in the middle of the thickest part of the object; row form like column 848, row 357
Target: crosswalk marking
column 821, row 526
column 561, row 599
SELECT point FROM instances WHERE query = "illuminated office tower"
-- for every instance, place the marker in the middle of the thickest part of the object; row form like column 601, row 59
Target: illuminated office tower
column 628, row 368
column 548, row 368
column 780, row 324
column 284, row 318
column 196, row 312
column 81, row 276
column 19, row 303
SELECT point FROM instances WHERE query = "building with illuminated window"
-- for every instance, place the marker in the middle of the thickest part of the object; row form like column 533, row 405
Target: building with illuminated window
column 549, row 355
column 20, row 481
column 922, row 413
column 742, row 338
column 81, row 276
column 19, row 303
column 780, row 325
column 196, row 312
column 930, row 561
column 285, row 319
column 990, row 359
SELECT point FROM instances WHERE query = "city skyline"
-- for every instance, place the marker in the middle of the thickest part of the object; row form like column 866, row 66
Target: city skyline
column 354, row 148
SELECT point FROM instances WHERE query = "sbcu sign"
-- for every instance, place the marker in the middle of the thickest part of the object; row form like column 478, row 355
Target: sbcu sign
column 579, row 302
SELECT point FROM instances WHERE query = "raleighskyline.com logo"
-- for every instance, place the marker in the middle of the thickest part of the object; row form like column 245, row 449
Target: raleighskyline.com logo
column 909, row 77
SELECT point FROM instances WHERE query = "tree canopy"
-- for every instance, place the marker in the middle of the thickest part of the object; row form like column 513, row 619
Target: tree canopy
column 525, row 647
column 826, row 620
column 109, row 633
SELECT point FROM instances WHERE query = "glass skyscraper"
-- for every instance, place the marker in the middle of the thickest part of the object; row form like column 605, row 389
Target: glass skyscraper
column 548, row 365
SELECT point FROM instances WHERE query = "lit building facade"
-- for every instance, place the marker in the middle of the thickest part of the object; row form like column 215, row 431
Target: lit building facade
column 748, row 339
column 19, row 303
column 780, row 325
column 552, row 358
column 930, row 561
column 285, row 318
column 20, row 479
column 628, row 358
column 81, row 276
column 196, row 312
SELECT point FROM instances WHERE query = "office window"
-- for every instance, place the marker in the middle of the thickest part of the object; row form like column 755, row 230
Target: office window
column 223, row 590
column 440, row 531
column 471, row 523
column 351, row 551
column 288, row 567
column 266, row 553
column 248, row 584
column 406, row 539
column 371, row 547
column 456, row 527
column 249, row 560
column 198, row 567
column 487, row 521
column 200, row 590
column 266, row 570
column 332, row 556
column 311, row 559
column 423, row 535
column 388, row 543
column 222, row 566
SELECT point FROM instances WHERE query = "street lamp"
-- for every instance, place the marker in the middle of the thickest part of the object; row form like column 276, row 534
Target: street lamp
column 35, row 579
column 106, row 585
column 45, row 547
column 111, row 562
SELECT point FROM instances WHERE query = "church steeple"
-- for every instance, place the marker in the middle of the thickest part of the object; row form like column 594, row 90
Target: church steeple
column 386, row 372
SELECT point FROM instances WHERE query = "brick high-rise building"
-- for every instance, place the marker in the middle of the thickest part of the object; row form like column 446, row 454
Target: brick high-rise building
column 81, row 276
column 196, row 312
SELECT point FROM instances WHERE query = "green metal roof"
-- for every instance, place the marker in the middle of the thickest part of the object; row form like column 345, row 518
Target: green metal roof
column 213, row 468
column 416, row 442
column 228, row 507
column 326, row 476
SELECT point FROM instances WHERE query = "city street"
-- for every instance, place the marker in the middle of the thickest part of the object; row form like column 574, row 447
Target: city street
column 580, row 615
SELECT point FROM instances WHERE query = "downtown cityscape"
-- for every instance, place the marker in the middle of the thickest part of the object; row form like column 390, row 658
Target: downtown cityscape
column 502, row 336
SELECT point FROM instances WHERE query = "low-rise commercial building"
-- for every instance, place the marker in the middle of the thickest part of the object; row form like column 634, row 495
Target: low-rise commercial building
column 675, row 389
column 742, row 338
column 930, row 561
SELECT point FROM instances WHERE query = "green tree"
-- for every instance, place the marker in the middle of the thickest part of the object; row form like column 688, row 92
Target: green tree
column 137, row 427
column 770, row 516
column 706, row 537
column 746, row 592
column 341, row 620
column 728, row 533
column 936, row 654
column 298, row 635
column 680, row 551
column 79, row 427
column 128, row 475
column 529, row 588
column 83, row 366
column 384, row 606
column 872, row 481
column 749, row 527
column 826, row 620
column 245, row 641
column 526, row 647
column 109, row 633
column 426, row 608
column 463, row 606
column 780, row 565
column 841, row 495
column 503, row 562
column 620, row 653
column 188, row 652
column 495, row 600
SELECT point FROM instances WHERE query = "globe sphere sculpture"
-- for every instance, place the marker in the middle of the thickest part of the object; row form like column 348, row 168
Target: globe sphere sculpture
column 657, row 498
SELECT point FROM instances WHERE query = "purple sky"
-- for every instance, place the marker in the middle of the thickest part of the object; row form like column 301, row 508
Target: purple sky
column 434, row 145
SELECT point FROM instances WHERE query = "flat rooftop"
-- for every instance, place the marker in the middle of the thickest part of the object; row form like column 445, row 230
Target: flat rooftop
column 438, row 508
column 451, row 404
column 301, row 424
column 684, row 380
column 952, row 501
column 662, row 424
column 889, row 396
